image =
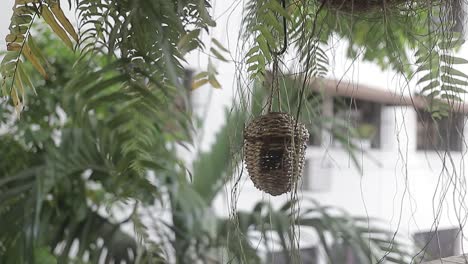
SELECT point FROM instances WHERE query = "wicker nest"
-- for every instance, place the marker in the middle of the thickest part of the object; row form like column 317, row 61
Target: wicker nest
column 272, row 154
column 353, row 6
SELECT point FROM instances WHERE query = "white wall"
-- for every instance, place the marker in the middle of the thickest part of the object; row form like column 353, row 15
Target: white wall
column 5, row 14
column 400, row 185
column 408, row 189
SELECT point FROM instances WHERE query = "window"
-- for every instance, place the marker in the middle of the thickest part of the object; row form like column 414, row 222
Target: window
column 308, row 255
column 443, row 134
column 344, row 253
column 362, row 119
column 315, row 137
column 315, row 100
column 440, row 244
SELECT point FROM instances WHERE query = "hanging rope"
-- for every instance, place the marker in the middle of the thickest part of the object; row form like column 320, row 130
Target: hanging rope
column 309, row 56
column 285, row 35
column 275, row 70
column 274, row 87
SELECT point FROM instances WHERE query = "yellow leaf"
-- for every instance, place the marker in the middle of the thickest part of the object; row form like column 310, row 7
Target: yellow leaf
column 14, row 38
column 64, row 21
column 198, row 84
column 16, row 101
column 13, row 46
column 25, row 77
column 19, row 84
column 200, row 75
column 32, row 58
column 214, row 82
column 36, row 51
column 50, row 19
column 22, row 2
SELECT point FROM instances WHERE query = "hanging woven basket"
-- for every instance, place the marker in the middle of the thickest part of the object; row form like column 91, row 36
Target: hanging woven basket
column 274, row 151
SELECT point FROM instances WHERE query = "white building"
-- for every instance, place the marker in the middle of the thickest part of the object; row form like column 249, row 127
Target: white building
column 407, row 180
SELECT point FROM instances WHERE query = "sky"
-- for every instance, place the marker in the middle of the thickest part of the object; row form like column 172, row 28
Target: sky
column 5, row 14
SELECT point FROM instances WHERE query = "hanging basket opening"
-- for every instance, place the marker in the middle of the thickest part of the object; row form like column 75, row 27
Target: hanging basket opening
column 274, row 151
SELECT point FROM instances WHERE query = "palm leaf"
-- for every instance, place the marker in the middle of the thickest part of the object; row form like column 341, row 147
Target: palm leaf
column 370, row 244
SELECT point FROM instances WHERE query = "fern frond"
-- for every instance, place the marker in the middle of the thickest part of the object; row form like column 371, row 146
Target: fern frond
column 263, row 27
column 139, row 31
column 441, row 82
column 20, row 42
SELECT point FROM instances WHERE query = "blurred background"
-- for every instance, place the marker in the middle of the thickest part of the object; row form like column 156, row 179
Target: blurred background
column 384, row 179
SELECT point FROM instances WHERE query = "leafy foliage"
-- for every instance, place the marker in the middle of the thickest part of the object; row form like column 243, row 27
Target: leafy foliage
column 218, row 51
column 384, row 36
column 261, row 21
column 207, row 236
column 93, row 151
column 105, row 127
column 20, row 42
column 102, row 125
column 383, row 39
column 332, row 226
column 110, row 113
column 96, row 143
column 441, row 82
column 135, row 32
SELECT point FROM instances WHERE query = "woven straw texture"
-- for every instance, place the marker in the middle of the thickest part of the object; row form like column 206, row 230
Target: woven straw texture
column 272, row 155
